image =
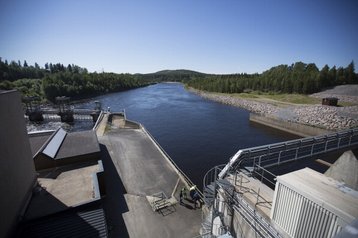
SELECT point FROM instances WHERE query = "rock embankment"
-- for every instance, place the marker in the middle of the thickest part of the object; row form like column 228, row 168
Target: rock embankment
column 326, row 117
column 331, row 118
column 345, row 93
column 263, row 109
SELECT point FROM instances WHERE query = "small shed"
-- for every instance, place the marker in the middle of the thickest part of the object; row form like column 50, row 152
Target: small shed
column 330, row 101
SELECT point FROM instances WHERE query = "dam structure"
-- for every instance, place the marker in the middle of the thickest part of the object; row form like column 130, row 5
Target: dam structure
column 244, row 198
column 64, row 112
column 117, row 181
column 146, row 200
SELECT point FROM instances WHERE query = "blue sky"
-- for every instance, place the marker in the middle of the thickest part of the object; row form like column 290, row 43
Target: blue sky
column 221, row 36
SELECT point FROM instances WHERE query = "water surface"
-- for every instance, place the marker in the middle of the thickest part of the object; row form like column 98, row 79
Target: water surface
column 197, row 133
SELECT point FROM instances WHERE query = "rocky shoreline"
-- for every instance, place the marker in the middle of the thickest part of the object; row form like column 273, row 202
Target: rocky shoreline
column 325, row 117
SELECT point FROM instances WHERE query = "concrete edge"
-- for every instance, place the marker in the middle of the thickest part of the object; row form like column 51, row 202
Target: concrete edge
column 290, row 127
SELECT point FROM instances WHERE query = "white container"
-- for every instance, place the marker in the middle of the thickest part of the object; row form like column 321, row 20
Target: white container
column 309, row 204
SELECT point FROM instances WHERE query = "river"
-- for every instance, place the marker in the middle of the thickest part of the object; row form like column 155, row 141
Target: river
column 197, row 133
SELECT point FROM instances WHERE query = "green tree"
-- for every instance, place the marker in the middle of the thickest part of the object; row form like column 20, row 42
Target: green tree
column 351, row 77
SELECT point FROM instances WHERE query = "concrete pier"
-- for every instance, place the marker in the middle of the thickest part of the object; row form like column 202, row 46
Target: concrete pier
column 137, row 169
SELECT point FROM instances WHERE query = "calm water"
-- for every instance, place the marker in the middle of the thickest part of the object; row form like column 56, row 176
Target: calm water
column 197, row 133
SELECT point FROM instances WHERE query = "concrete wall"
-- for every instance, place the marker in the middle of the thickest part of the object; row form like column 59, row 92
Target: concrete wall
column 17, row 170
column 241, row 228
column 290, row 127
column 44, row 162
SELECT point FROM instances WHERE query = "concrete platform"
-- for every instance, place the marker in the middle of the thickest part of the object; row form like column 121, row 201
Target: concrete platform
column 61, row 188
column 256, row 193
column 137, row 169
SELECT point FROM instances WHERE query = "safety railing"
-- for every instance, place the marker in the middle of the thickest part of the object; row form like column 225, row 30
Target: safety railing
column 258, row 223
column 258, row 159
column 264, row 175
column 212, row 175
column 99, row 119
column 284, row 152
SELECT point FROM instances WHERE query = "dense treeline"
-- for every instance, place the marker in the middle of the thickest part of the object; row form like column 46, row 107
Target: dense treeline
column 81, row 85
column 58, row 80
column 54, row 80
column 296, row 78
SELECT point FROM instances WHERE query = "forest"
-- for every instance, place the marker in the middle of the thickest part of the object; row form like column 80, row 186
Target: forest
column 297, row 78
column 58, row 80
column 54, row 80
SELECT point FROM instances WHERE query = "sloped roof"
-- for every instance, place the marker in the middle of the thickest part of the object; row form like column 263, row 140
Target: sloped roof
column 78, row 143
column 62, row 145
column 37, row 140
column 55, row 143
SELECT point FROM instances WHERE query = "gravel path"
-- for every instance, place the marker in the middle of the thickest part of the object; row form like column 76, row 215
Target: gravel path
column 326, row 117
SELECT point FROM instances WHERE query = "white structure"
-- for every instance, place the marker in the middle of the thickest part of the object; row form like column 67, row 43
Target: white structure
column 244, row 199
column 310, row 204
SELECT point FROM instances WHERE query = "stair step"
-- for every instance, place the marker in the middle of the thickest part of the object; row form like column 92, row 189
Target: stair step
column 210, row 187
column 224, row 182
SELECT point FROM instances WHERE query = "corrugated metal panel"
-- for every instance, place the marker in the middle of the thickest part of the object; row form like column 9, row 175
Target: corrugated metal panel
column 300, row 217
column 89, row 222
column 54, row 145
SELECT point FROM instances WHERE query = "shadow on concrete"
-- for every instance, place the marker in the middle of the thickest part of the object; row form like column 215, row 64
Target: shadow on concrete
column 187, row 206
column 114, row 202
column 42, row 204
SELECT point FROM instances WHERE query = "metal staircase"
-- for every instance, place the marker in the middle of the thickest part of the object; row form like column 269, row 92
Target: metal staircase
column 209, row 194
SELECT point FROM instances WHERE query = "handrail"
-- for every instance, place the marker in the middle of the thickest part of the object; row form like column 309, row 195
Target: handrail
column 299, row 149
column 261, row 157
column 249, row 214
column 263, row 170
column 210, row 176
column 98, row 121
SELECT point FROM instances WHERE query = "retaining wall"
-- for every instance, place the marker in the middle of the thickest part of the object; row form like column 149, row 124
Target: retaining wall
column 290, row 127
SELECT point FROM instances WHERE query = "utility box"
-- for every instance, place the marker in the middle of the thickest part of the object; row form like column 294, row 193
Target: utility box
column 331, row 101
column 309, row 204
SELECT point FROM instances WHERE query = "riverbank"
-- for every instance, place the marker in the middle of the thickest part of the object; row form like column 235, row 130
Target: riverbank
column 316, row 115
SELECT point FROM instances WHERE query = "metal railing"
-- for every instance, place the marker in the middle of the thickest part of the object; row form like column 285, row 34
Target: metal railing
column 284, row 152
column 259, row 224
column 264, row 175
column 261, row 157
column 212, row 175
column 99, row 119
